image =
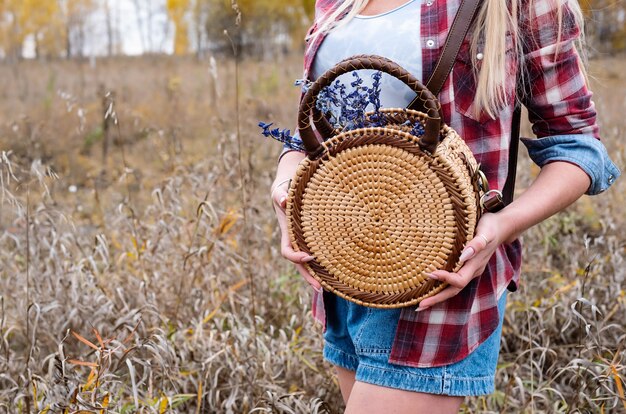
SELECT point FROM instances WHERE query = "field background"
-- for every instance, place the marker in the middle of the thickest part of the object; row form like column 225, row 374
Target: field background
column 139, row 262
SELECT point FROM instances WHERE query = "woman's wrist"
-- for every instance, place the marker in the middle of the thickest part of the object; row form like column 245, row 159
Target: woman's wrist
column 509, row 228
column 287, row 166
column 547, row 195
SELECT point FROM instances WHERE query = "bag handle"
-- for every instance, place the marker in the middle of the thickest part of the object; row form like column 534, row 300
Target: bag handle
column 308, row 110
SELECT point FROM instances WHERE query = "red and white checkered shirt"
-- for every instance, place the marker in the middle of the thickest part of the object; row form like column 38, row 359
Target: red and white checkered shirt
column 559, row 103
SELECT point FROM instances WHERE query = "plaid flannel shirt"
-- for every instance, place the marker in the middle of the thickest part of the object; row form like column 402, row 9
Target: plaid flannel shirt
column 558, row 103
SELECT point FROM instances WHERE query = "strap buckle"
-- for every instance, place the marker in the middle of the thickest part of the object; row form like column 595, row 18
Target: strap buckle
column 481, row 180
column 492, row 201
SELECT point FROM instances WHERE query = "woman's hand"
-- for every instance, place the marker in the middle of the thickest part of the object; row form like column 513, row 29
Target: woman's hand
column 490, row 233
column 279, row 201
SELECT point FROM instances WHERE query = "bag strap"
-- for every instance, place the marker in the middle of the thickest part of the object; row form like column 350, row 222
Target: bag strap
column 460, row 26
column 509, row 184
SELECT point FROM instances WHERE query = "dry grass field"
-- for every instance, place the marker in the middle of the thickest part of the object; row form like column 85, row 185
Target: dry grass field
column 139, row 268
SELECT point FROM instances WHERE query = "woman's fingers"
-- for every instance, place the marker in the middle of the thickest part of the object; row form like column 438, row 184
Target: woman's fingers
column 307, row 276
column 285, row 243
column 475, row 257
column 458, row 280
column 475, row 246
column 296, row 257
column 445, row 294
column 279, row 199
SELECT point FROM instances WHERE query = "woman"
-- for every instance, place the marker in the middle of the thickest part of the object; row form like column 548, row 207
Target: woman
column 410, row 360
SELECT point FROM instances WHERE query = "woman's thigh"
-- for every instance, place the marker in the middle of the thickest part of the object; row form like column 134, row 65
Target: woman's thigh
column 346, row 382
column 395, row 401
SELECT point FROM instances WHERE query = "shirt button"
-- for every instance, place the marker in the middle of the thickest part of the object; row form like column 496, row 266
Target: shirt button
column 430, row 2
column 430, row 43
column 479, row 56
column 611, row 179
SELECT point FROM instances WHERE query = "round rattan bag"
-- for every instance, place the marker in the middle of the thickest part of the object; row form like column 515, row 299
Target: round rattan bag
column 379, row 207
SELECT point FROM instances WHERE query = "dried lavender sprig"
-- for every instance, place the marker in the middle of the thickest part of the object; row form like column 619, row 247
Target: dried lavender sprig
column 418, row 129
column 347, row 111
column 304, row 84
column 282, row 135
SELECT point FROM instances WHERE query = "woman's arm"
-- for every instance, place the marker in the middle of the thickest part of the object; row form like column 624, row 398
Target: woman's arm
column 557, row 186
column 287, row 165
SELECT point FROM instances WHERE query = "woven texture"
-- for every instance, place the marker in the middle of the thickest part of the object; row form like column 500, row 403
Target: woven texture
column 378, row 212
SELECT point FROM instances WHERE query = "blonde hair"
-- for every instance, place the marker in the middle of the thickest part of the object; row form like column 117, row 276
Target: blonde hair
column 488, row 30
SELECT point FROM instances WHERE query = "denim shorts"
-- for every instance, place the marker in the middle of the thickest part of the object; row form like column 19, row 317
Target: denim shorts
column 359, row 339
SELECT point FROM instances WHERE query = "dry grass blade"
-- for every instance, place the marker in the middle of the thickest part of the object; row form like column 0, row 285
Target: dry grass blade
column 131, row 371
column 95, row 331
column 85, row 341
column 226, row 223
column 83, row 363
column 199, row 401
column 223, row 298
column 164, row 402
column 619, row 385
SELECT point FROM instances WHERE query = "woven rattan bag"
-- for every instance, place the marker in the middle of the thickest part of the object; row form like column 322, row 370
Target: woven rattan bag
column 379, row 207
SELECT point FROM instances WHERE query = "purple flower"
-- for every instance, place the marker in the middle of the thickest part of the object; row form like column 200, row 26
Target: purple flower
column 283, row 136
column 304, row 84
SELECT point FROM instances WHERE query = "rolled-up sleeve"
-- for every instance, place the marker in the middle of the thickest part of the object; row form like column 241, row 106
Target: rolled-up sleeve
column 583, row 150
column 559, row 103
column 557, row 96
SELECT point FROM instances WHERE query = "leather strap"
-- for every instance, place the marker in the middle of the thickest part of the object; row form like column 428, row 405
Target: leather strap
column 509, row 184
column 460, row 26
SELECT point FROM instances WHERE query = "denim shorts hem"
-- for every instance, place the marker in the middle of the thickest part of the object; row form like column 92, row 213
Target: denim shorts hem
column 441, row 385
column 336, row 356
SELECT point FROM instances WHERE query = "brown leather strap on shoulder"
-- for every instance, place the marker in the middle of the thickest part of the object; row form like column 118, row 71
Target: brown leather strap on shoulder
column 509, row 185
column 460, row 26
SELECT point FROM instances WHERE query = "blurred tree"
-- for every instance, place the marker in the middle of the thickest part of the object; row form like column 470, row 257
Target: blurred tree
column 605, row 24
column 177, row 9
column 37, row 20
column 109, row 27
column 75, row 14
column 145, row 11
column 12, row 30
column 309, row 8
column 200, row 15
column 43, row 21
column 267, row 26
